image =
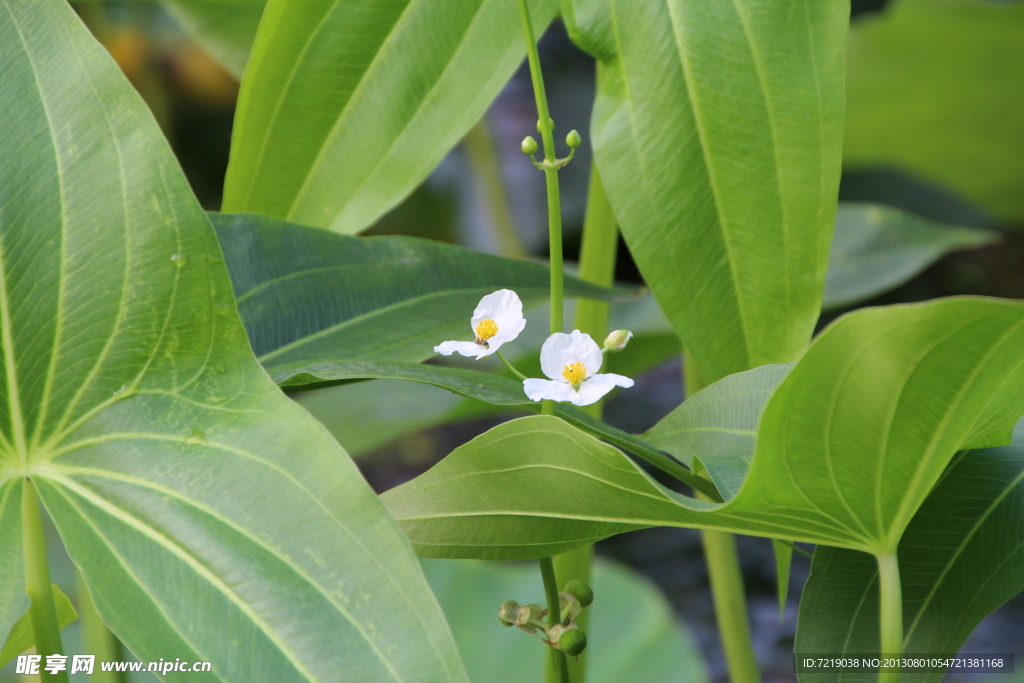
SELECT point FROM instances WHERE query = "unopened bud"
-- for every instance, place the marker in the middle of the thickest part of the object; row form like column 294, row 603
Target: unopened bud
column 617, row 340
column 580, row 590
column 573, row 139
column 551, row 123
column 508, row 613
column 529, row 145
column 572, row 641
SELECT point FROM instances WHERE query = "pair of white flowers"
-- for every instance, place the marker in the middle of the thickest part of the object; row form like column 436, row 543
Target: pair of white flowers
column 571, row 361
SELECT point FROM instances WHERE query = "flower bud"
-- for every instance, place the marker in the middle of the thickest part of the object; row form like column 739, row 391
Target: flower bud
column 529, row 145
column 573, row 139
column 572, row 642
column 507, row 612
column 580, row 590
column 551, row 122
column 617, row 340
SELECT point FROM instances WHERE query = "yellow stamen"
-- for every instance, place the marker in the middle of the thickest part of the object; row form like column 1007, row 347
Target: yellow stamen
column 485, row 329
column 574, row 372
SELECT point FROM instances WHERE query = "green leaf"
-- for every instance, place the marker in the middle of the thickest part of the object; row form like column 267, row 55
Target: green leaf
column 726, row 118
column 13, row 601
column 877, row 248
column 346, row 106
column 961, row 557
column 225, row 29
column 21, row 636
column 848, row 447
column 935, row 88
column 309, row 297
column 211, row 517
column 632, row 636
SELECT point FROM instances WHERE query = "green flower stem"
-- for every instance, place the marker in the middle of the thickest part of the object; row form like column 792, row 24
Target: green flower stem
column 597, row 265
column 547, row 134
column 483, row 158
column 726, row 578
column 98, row 639
column 891, row 612
column 558, row 670
column 37, row 582
column 508, row 365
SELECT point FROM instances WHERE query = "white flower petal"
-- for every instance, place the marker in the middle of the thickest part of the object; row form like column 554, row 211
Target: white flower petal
column 565, row 349
column 507, row 331
column 595, row 388
column 502, row 306
column 539, row 389
column 470, row 349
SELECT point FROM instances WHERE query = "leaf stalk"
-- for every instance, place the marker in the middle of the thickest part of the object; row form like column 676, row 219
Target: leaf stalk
column 38, row 586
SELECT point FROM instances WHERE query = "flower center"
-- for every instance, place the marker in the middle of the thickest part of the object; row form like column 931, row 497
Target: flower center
column 485, row 329
column 574, row 372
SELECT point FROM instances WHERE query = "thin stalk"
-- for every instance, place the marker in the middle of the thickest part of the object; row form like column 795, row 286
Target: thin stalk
column 483, row 159
column 37, row 582
column 547, row 134
column 597, row 265
column 559, row 670
column 511, row 368
column 891, row 612
column 545, row 125
column 725, row 577
column 99, row 640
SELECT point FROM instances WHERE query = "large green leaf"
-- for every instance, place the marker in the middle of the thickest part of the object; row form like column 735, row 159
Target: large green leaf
column 934, row 87
column 877, row 248
column 632, row 635
column 717, row 127
column 848, row 447
column 226, row 29
column 307, row 296
column 347, row 105
column 211, row 518
column 961, row 557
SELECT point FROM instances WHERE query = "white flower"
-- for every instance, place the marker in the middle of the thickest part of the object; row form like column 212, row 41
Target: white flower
column 498, row 318
column 571, row 361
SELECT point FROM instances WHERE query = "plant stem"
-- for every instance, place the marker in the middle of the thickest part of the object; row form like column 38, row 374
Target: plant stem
column 730, row 605
column 597, row 265
column 547, row 134
column 891, row 612
column 37, row 581
column 511, row 368
column 559, row 670
column 483, row 157
column 725, row 576
column 98, row 639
